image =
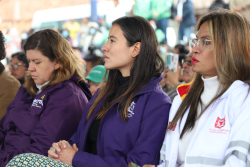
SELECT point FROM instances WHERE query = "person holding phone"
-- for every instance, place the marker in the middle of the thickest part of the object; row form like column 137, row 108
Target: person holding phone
column 209, row 120
column 49, row 106
column 126, row 119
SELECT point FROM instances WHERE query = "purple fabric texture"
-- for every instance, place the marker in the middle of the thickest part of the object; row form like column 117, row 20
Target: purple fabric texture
column 138, row 140
column 32, row 124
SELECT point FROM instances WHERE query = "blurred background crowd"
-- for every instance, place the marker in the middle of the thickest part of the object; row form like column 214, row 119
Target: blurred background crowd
column 86, row 24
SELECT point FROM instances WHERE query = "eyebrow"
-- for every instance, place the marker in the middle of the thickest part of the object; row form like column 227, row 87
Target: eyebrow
column 112, row 37
column 33, row 59
column 205, row 36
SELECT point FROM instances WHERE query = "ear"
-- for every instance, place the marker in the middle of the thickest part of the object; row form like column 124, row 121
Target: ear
column 136, row 49
column 57, row 65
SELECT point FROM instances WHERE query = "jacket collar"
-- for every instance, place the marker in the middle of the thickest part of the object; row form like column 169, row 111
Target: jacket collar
column 236, row 86
column 83, row 85
column 153, row 84
column 1, row 68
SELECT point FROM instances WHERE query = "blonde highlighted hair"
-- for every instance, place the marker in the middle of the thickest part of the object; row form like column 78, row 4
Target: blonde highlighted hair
column 229, row 32
column 54, row 46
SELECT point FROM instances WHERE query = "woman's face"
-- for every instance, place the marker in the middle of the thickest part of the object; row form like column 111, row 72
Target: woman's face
column 117, row 54
column 203, row 61
column 40, row 66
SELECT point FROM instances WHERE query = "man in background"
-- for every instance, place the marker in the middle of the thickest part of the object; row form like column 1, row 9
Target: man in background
column 185, row 16
column 93, row 58
column 95, row 78
column 18, row 66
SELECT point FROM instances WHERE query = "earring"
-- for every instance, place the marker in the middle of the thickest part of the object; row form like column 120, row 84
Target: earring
column 133, row 55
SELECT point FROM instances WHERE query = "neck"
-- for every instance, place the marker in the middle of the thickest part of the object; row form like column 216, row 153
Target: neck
column 125, row 73
column 211, row 87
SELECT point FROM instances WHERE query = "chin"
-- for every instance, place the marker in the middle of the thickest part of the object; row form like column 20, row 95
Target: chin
column 107, row 67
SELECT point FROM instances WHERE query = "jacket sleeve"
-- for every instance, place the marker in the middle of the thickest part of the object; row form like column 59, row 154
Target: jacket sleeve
column 146, row 149
column 237, row 153
column 58, row 121
column 9, row 89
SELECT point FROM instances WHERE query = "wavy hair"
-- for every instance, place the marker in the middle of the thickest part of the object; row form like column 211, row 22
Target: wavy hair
column 230, row 32
column 54, row 46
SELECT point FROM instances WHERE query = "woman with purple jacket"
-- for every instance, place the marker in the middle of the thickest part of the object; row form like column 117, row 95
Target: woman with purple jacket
column 125, row 121
column 49, row 106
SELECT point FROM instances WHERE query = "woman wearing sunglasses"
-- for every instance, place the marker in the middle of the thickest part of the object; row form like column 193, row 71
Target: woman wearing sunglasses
column 49, row 106
column 209, row 120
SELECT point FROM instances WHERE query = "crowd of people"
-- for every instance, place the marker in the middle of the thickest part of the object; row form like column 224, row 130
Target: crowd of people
column 119, row 104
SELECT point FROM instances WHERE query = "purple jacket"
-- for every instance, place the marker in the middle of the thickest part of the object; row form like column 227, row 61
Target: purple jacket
column 139, row 139
column 32, row 124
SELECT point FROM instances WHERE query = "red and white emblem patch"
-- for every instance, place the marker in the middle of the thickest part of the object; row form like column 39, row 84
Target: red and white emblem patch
column 220, row 123
column 173, row 128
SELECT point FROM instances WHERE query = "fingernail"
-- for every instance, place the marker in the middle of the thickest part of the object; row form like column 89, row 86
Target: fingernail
column 64, row 146
column 58, row 150
column 56, row 156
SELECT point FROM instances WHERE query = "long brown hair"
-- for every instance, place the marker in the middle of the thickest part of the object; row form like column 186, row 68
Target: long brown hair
column 54, row 46
column 147, row 65
column 229, row 33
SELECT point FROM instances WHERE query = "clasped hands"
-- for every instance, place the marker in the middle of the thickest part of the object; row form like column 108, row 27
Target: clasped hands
column 64, row 152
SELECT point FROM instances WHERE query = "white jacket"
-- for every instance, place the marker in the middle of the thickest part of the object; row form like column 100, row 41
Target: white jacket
column 222, row 137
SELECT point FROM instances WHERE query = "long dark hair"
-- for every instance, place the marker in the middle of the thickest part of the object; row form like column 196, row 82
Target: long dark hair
column 229, row 33
column 146, row 65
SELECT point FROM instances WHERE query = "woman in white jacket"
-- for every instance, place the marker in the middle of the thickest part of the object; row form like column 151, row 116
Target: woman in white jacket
column 209, row 120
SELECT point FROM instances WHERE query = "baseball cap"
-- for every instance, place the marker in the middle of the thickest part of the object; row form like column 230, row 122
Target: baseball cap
column 93, row 53
column 96, row 74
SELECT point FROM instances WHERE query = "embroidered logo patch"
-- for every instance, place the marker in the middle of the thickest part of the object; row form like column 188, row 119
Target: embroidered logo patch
column 131, row 109
column 37, row 103
column 219, row 123
column 43, row 97
column 173, row 128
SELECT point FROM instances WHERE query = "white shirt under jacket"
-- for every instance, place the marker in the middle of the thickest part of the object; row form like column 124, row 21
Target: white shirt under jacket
column 222, row 137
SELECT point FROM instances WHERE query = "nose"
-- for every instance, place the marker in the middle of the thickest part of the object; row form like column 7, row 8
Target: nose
column 31, row 67
column 195, row 49
column 185, row 65
column 105, row 48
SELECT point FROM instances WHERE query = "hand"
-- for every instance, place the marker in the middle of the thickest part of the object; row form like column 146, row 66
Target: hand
column 148, row 165
column 173, row 77
column 52, row 154
column 178, row 18
column 165, row 81
column 68, row 152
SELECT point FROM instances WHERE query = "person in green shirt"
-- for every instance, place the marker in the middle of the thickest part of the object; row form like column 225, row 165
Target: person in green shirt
column 143, row 8
column 161, row 12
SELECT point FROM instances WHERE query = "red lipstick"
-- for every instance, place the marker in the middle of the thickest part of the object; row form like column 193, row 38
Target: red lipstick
column 194, row 60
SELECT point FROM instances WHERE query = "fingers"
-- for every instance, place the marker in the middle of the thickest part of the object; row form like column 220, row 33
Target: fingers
column 75, row 147
column 52, row 154
column 62, row 144
column 56, row 146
